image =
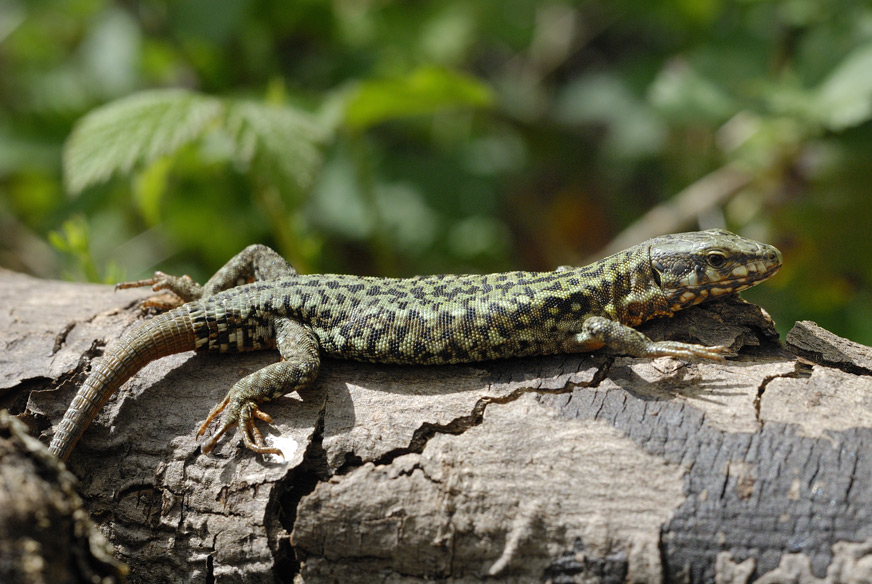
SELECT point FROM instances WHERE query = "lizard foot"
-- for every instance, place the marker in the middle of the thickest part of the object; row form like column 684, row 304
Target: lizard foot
column 241, row 414
column 183, row 287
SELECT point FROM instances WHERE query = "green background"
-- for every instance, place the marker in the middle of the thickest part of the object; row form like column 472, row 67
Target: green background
column 396, row 138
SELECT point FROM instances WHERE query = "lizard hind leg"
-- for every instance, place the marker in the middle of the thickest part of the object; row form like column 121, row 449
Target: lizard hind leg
column 253, row 264
column 298, row 368
column 256, row 263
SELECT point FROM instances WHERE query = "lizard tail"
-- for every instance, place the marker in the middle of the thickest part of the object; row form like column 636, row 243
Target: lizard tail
column 166, row 334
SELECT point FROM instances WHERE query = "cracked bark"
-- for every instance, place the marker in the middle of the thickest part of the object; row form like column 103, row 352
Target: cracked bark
column 571, row 468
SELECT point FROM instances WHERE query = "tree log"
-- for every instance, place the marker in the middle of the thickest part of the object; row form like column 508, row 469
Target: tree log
column 570, row 468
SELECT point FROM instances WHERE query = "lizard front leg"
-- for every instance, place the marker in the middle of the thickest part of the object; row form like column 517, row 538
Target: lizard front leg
column 298, row 368
column 598, row 331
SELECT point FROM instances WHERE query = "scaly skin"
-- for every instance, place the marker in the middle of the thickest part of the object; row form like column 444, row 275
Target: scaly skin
column 425, row 320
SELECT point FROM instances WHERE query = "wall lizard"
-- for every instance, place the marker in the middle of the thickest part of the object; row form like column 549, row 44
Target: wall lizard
column 258, row 301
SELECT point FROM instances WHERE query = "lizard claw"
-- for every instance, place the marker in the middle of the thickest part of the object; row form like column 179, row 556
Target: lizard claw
column 241, row 414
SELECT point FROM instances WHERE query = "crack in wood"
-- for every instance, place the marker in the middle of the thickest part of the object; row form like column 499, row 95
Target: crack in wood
column 800, row 370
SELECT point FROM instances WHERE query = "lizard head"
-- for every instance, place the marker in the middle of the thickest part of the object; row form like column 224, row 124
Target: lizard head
column 698, row 266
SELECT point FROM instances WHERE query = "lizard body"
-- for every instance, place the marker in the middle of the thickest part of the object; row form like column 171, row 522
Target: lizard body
column 421, row 320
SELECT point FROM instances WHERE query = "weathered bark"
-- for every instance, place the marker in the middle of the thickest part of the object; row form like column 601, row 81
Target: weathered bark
column 572, row 468
column 46, row 536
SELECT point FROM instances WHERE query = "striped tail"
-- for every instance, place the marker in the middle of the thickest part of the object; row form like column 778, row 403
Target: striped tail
column 165, row 334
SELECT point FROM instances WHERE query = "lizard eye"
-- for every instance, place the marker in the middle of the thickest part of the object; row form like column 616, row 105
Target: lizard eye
column 716, row 259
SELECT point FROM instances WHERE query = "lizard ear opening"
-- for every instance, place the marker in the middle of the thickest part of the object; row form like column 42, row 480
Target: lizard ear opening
column 655, row 266
column 655, row 273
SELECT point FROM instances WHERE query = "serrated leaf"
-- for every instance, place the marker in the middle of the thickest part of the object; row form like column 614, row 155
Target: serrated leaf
column 425, row 91
column 845, row 97
column 134, row 130
column 279, row 141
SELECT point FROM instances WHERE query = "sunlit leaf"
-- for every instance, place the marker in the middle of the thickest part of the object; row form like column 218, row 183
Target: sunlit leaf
column 845, row 97
column 424, row 91
column 74, row 240
column 280, row 141
column 132, row 131
column 149, row 188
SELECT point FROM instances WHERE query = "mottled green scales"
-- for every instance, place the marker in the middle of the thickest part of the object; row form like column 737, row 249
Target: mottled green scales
column 423, row 320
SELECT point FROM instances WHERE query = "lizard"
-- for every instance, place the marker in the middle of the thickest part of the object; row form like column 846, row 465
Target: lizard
column 258, row 301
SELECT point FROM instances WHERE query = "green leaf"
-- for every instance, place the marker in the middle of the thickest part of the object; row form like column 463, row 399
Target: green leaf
column 134, row 130
column 425, row 91
column 280, row 142
column 74, row 239
column 845, row 97
column 149, row 188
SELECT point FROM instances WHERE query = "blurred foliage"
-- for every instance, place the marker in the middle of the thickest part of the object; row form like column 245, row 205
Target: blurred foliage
column 389, row 137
